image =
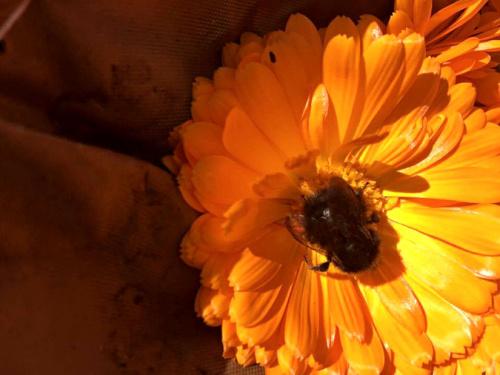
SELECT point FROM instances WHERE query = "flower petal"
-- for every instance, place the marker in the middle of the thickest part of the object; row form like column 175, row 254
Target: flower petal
column 248, row 217
column 483, row 185
column 416, row 348
column 202, row 139
column 301, row 25
column 475, row 121
column 414, row 46
column 418, row 10
column 450, row 280
column 187, row 189
column 219, row 179
column 283, row 59
column 347, row 311
column 247, row 144
column 447, row 327
column 446, row 137
column 289, row 363
column 304, row 318
column 342, row 72
column 221, row 103
column 263, row 98
column 395, row 293
column 474, row 148
column 384, row 69
column 370, row 28
column 364, row 358
column 204, row 308
column 474, row 228
column 322, row 130
column 470, row 7
column 216, row 270
column 260, row 264
column 458, row 50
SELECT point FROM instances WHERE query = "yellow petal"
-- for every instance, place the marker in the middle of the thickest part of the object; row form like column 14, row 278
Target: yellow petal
column 204, row 308
column 202, row 139
column 191, row 253
column 458, row 50
column 254, row 308
column 289, row 363
column 414, row 46
column 245, row 356
column 447, row 327
column 263, row 98
column 220, row 104
column 488, row 89
column 416, row 102
column 395, row 293
column 365, row 358
column 187, row 189
column 422, row 10
column 462, row 97
column 283, row 59
column 312, row 51
column 347, row 313
column 370, row 28
column 277, row 185
column 493, row 115
column 468, row 184
column 230, row 55
column 322, row 130
column 342, row 72
column 384, row 70
column 470, row 7
column 260, row 264
column 249, row 145
column 450, row 280
column 416, row 348
column 216, row 270
column 224, row 78
column 200, row 108
column 417, row 10
column 481, row 144
column 303, row 317
column 249, row 217
column 229, row 339
column 265, row 357
column 208, row 233
column 399, row 22
column 473, row 228
column 470, row 62
column 220, row 180
column 446, row 137
column 476, row 120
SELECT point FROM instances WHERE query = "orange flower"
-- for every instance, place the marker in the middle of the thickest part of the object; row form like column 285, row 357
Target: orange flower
column 461, row 34
column 291, row 122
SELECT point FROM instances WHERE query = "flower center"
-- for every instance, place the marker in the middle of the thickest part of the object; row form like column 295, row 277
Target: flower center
column 339, row 216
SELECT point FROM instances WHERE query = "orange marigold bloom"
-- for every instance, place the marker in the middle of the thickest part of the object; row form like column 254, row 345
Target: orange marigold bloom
column 460, row 34
column 298, row 117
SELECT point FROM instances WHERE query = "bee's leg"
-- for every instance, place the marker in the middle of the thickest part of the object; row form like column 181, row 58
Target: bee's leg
column 323, row 267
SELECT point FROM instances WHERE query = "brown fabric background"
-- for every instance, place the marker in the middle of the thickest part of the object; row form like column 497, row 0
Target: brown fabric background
column 90, row 281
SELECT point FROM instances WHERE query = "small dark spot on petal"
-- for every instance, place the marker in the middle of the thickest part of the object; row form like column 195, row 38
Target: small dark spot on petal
column 272, row 57
column 2, row 46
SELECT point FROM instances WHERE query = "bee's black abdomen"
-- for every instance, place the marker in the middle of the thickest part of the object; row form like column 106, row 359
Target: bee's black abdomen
column 334, row 219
